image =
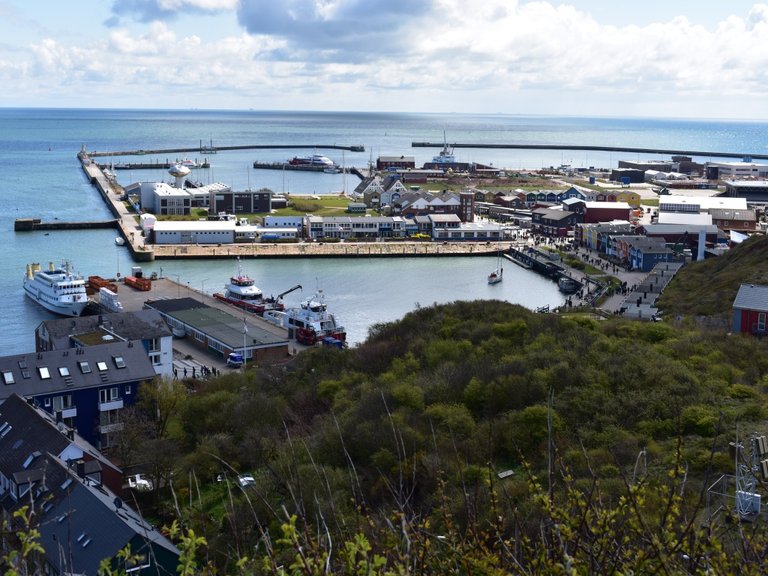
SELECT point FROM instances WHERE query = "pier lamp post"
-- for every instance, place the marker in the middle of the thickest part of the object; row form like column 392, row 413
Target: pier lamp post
column 178, row 285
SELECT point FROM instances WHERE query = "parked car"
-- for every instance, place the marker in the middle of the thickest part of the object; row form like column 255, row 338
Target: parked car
column 246, row 480
column 137, row 482
column 235, row 360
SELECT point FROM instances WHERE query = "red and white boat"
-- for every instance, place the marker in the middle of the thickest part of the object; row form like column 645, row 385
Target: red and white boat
column 311, row 322
column 241, row 291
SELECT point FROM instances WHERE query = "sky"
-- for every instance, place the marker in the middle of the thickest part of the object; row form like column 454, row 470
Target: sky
column 656, row 58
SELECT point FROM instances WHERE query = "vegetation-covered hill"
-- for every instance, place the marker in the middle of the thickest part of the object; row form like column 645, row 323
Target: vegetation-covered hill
column 466, row 438
column 708, row 288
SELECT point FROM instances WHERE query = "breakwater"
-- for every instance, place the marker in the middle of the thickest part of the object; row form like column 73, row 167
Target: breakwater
column 591, row 149
column 214, row 149
column 34, row 224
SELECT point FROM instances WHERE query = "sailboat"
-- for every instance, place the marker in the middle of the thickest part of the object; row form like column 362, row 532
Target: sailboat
column 497, row 275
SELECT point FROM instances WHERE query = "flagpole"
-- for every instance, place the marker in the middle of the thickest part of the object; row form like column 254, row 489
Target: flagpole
column 245, row 332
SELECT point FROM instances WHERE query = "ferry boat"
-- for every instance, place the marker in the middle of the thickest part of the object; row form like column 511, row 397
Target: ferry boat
column 311, row 322
column 241, row 291
column 57, row 289
column 314, row 160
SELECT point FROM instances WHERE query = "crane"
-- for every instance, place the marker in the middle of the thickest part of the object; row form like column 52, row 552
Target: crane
column 280, row 296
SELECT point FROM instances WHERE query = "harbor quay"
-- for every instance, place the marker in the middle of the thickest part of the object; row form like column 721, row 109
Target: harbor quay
column 129, row 230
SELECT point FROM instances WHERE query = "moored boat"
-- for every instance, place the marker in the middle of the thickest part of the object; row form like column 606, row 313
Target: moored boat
column 567, row 285
column 119, row 240
column 313, row 160
column 311, row 322
column 497, row 275
column 57, row 289
column 241, row 291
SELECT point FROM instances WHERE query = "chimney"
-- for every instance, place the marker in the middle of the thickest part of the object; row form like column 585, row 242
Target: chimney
column 80, row 467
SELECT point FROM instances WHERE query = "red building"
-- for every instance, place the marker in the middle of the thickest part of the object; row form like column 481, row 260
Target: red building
column 750, row 310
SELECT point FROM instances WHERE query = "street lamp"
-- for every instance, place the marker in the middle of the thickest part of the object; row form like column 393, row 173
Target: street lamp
column 178, row 284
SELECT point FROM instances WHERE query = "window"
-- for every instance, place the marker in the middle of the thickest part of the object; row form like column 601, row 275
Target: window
column 62, row 402
column 127, row 389
column 102, row 366
column 63, row 371
column 8, row 377
column 119, row 361
column 114, row 394
column 761, row 321
column 47, row 402
column 43, row 371
column 85, row 368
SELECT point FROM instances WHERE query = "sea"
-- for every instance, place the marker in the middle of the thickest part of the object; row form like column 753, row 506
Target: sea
column 40, row 177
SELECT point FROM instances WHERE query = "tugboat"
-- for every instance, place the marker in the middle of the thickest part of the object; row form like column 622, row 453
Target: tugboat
column 311, row 322
column 57, row 289
column 241, row 291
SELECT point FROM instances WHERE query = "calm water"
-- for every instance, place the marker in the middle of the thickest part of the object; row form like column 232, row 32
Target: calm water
column 41, row 178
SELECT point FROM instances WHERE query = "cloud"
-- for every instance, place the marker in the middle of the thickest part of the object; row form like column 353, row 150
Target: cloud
column 336, row 30
column 438, row 55
column 151, row 10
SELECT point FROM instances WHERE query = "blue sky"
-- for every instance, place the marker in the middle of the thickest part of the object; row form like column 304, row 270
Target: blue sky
column 696, row 59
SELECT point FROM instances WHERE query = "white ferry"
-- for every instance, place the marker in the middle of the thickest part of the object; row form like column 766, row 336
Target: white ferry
column 58, row 289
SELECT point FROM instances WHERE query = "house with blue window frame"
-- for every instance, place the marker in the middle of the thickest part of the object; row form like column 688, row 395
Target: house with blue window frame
column 81, row 516
column 85, row 388
column 144, row 326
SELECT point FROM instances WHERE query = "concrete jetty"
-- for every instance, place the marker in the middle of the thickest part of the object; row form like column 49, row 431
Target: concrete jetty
column 592, row 148
column 213, row 149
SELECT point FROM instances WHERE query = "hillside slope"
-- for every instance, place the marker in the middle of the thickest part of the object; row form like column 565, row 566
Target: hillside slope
column 708, row 288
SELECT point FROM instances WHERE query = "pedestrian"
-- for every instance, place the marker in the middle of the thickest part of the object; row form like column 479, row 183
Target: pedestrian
column 185, row 372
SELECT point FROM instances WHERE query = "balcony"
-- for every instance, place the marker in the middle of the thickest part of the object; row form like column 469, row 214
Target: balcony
column 113, row 405
column 69, row 412
column 109, row 428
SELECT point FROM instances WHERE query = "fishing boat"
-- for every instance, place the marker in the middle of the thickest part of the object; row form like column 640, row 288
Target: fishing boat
column 57, row 289
column 241, row 291
column 497, row 275
column 119, row 240
column 311, row 322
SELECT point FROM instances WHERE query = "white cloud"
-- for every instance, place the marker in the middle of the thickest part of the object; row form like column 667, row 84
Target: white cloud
column 443, row 55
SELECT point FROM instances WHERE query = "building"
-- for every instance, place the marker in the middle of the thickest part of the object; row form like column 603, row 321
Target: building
column 696, row 204
column 145, row 327
column 739, row 220
column 750, row 190
column 85, row 388
column 628, row 175
column 750, row 310
column 241, row 202
column 81, row 519
column 403, row 162
column 596, row 212
column 732, row 170
column 217, row 331
column 553, row 223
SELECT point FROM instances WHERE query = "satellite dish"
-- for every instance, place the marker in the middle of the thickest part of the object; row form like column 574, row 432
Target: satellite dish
column 118, row 503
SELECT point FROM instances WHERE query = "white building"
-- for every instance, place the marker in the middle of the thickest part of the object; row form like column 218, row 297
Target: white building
column 738, row 169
